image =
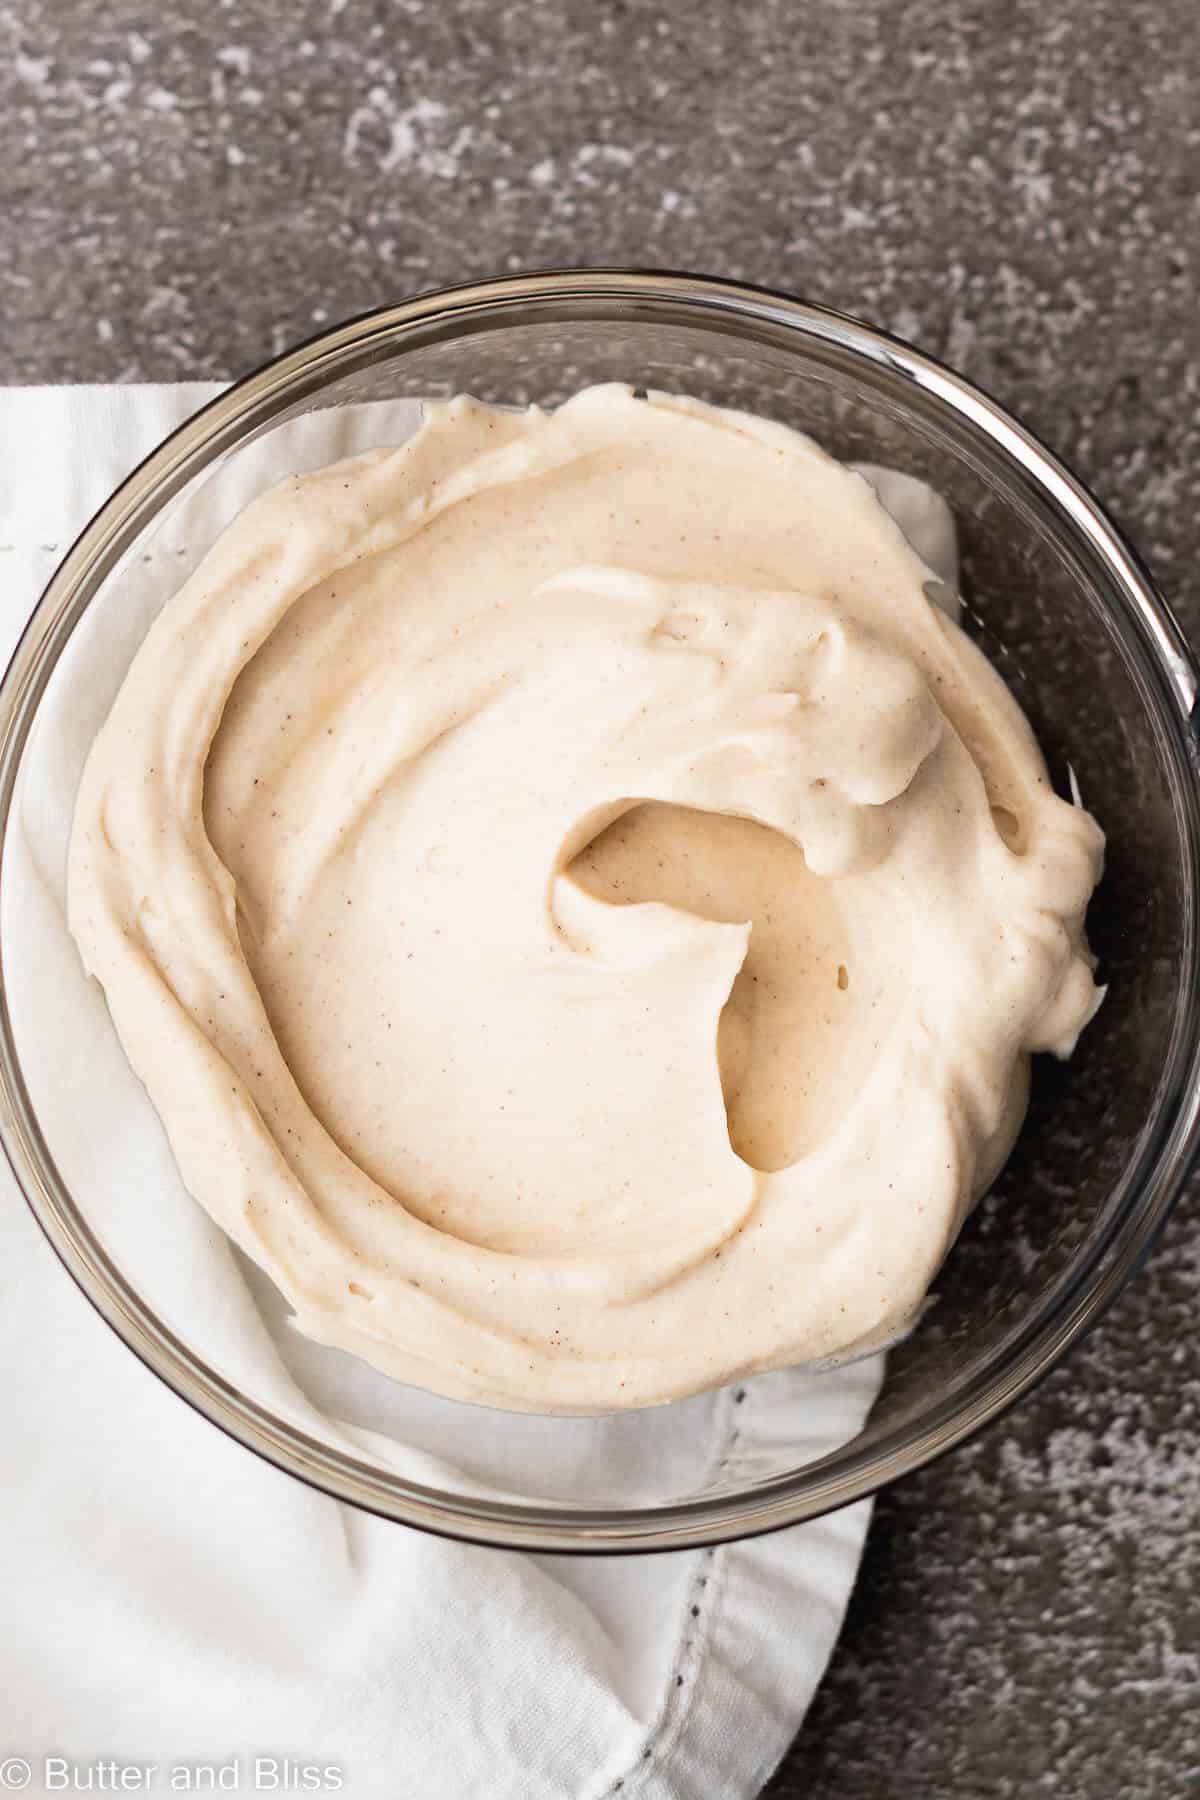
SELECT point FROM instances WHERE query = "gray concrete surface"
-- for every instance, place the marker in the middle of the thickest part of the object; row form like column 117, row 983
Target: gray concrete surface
column 185, row 188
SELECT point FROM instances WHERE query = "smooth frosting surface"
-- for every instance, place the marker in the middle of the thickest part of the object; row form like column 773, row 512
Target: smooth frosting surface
column 580, row 912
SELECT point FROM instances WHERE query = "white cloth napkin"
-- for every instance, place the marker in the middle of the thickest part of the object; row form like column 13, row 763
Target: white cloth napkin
column 170, row 1599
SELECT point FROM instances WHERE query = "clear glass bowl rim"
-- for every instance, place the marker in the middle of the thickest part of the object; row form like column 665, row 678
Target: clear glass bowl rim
column 1150, row 636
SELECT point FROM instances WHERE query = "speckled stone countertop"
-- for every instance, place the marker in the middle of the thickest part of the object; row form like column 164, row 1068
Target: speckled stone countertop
column 186, row 188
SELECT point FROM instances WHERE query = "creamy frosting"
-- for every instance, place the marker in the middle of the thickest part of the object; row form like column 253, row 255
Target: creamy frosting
column 580, row 912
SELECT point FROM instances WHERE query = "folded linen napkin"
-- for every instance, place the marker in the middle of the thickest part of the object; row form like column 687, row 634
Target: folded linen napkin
column 174, row 1601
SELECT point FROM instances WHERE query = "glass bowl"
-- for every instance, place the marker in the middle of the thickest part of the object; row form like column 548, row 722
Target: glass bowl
column 1068, row 614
